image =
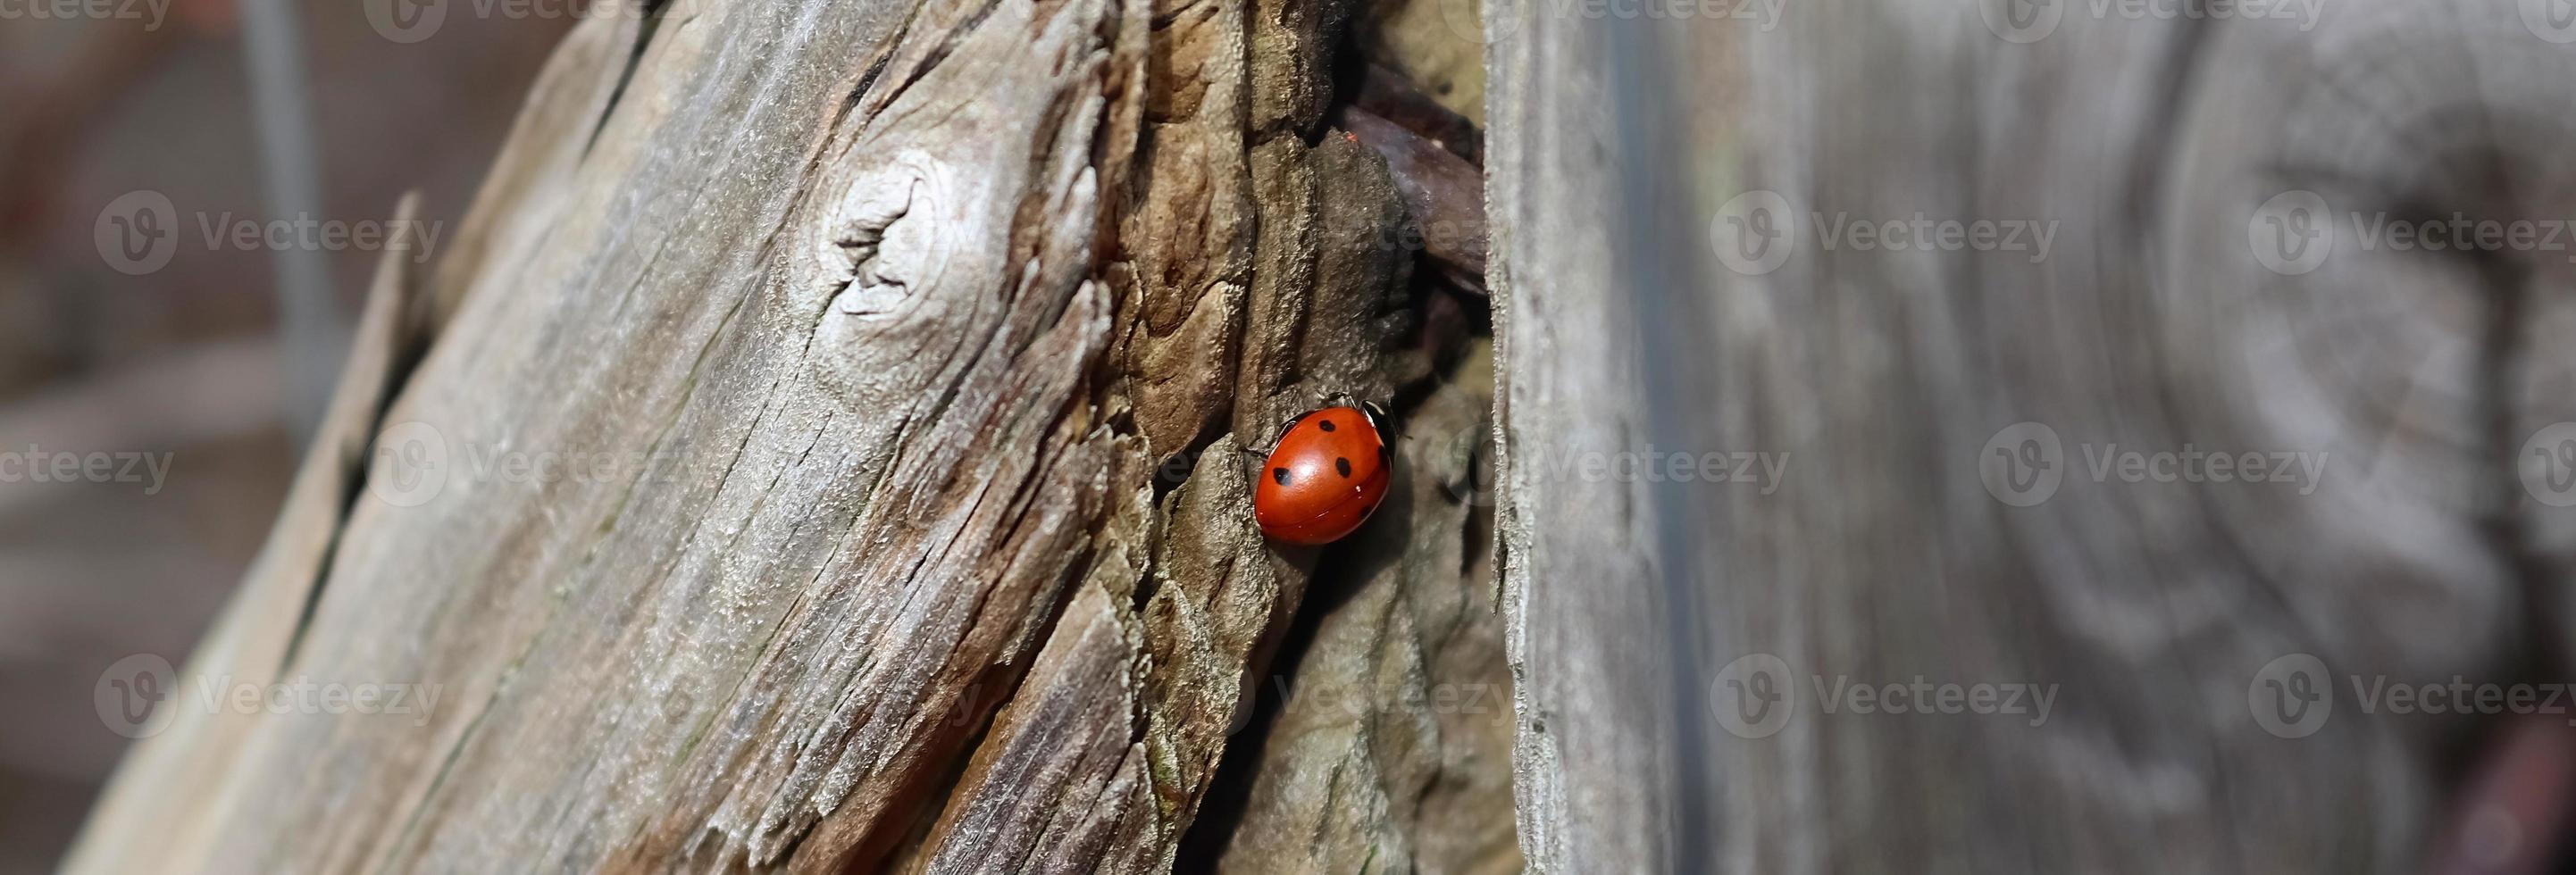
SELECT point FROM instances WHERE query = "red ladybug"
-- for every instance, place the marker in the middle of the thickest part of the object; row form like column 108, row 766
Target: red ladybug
column 1324, row 476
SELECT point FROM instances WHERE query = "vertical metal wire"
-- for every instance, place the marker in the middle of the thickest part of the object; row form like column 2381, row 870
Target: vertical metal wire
column 308, row 321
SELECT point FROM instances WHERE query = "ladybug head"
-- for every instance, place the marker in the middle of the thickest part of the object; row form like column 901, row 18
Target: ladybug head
column 1378, row 419
column 1377, row 416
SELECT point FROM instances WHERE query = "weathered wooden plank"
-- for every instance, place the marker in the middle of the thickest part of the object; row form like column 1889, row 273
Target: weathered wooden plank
column 806, row 375
column 1212, row 598
column 1591, row 704
column 2148, row 145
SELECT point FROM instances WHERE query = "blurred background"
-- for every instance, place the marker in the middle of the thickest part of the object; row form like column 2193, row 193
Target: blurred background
column 186, row 361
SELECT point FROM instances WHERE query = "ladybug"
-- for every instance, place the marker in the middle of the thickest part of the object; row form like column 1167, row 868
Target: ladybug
column 1325, row 475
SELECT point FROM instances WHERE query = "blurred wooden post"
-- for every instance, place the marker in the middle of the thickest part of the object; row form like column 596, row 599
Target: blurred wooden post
column 1640, row 165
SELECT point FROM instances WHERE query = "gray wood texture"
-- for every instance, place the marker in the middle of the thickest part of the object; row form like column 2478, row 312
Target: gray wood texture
column 2151, row 144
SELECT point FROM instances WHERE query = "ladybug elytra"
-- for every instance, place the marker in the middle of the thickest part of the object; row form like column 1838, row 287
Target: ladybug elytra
column 1324, row 476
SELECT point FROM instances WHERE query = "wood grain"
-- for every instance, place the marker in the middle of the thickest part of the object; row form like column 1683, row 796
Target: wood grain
column 2149, row 144
column 828, row 459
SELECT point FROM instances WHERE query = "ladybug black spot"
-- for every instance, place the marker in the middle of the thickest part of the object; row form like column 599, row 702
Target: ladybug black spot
column 1342, row 464
column 1324, row 424
column 1279, row 476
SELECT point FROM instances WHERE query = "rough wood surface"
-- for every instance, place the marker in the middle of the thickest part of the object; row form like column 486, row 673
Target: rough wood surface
column 829, row 459
column 1387, row 734
column 2416, row 376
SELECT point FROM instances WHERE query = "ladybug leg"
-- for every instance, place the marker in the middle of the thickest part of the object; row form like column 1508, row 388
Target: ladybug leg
column 1263, row 451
